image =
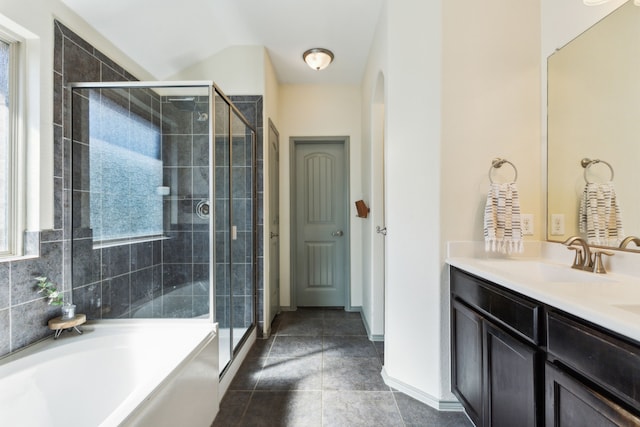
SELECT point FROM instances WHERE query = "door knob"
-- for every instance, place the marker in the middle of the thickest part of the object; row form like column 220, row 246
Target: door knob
column 272, row 234
column 382, row 230
column 338, row 233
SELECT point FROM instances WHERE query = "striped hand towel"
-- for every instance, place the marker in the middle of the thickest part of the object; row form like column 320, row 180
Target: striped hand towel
column 600, row 216
column 502, row 229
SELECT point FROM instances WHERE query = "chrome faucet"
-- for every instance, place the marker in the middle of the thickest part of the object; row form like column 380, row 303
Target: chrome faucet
column 582, row 260
column 628, row 240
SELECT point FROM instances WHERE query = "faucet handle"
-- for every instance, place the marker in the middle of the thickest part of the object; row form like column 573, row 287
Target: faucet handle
column 578, row 260
column 598, row 265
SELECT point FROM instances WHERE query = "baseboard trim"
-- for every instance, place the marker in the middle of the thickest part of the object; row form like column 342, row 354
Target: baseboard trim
column 427, row 399
column 372, row 337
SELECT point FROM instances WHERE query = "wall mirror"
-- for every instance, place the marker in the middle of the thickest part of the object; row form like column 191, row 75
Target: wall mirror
column 594, row 112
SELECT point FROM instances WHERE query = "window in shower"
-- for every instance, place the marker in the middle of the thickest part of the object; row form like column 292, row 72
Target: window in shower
column 12, row 164
column 125, row 170
column 5, row 146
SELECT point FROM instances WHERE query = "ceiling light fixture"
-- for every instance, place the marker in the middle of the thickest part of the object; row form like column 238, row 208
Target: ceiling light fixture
column 318, row 58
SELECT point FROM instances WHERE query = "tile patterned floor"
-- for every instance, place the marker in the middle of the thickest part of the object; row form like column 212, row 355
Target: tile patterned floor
column 320, row 369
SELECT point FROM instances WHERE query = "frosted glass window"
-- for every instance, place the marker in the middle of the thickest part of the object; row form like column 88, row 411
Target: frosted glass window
column 5, row 147
column 125, row 172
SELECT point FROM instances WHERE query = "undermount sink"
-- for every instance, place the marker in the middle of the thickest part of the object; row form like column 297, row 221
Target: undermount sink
column 537, row 271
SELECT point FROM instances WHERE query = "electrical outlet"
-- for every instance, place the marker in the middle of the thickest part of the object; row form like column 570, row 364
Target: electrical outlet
column 527, row 224
column 557, row 224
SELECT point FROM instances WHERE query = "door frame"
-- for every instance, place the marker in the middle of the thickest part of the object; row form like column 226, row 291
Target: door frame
column 268, row 304
column 294, row 142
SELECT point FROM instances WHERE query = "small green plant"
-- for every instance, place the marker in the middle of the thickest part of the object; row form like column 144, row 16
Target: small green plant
column 50, row 291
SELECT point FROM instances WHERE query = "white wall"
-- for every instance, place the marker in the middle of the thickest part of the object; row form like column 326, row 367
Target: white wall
column 413, row 116
column 237, row 70
column 314, row 110
column 36, row 16
column 373, row 99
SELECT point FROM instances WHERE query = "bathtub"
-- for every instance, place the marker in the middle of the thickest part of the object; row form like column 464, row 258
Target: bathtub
column 118, row 373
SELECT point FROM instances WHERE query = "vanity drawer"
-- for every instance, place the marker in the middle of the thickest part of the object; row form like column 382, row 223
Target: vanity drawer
column 612, row 363
column 519, row 314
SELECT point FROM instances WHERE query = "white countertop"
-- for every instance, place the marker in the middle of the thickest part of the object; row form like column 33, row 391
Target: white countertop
column 610, row 300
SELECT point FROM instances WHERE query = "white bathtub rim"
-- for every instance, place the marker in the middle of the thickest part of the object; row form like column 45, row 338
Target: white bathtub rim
column 108, row 326
column 47, row 350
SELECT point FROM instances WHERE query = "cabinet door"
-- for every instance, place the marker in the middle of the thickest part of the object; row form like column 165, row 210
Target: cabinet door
column 466, row 359
column 511, row 384
column 570, row 403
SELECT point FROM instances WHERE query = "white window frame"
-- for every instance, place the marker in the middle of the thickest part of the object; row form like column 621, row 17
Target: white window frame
column 16, row 163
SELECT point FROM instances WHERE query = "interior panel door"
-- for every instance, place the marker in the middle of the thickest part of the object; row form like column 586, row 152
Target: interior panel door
column 320, row 214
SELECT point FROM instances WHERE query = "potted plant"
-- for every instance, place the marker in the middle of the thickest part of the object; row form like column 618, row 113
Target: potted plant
column 55, row 297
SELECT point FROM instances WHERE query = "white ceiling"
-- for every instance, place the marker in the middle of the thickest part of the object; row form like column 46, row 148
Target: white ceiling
column 166, row 36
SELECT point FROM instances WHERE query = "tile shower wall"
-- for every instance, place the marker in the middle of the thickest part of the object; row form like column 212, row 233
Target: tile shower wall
column 185, row 260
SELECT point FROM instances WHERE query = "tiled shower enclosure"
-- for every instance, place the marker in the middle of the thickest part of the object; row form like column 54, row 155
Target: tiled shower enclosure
column 163, row 201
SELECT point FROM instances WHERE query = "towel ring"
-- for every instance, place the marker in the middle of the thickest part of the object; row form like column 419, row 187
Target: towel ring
column 587, row 163
column 497, row 163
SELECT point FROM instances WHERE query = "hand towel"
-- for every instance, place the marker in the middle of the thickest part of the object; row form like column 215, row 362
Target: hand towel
column 600, row 217
column 502, row 226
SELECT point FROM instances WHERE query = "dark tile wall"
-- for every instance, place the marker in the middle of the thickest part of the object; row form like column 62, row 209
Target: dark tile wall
column 185, row 261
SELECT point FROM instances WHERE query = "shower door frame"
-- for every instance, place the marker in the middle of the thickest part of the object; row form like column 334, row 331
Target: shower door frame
column 254, row 217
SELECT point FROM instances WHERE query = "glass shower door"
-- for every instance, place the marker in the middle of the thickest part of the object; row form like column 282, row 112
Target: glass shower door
column 140, row 197
column 242, row 228
column 222, row 138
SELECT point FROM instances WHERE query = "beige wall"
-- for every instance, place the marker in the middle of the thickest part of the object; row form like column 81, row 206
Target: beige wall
column 491, row 108
column 313, row 110
column 491, row 105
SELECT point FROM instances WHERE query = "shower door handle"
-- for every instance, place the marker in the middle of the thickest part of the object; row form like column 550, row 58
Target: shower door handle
column 338, row 233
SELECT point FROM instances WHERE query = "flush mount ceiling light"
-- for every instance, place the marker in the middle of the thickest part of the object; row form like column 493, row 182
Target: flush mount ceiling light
column 318, row 58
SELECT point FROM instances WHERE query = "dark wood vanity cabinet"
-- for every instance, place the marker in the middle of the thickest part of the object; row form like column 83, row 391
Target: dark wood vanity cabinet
column 517, row 362
column 570, row 402
column 592, row 377
column 494, row 366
